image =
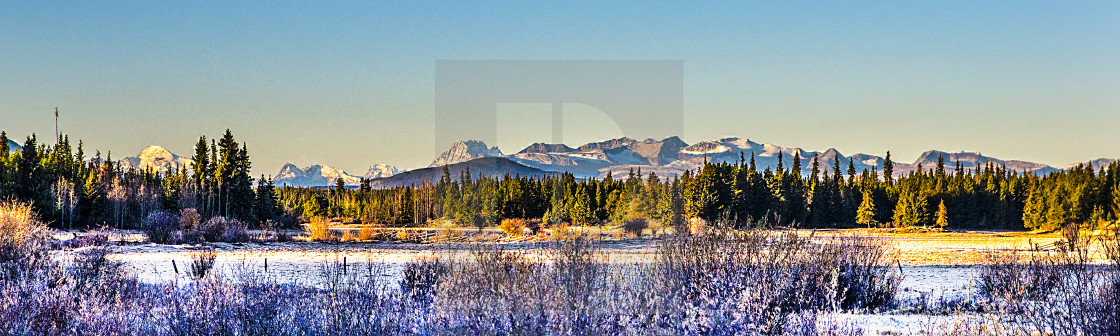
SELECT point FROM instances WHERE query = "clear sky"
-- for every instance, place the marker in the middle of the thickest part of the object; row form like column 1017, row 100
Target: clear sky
column 349, row 84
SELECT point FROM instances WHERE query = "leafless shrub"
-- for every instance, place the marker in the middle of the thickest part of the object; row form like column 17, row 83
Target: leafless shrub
column 223, row 229
column 421, row 276
column 94, row 273
column 95, row 237
column 162, row 227
column 348, row 235
column 769, row 275
column 235, row 231
column 202, row 262
column 1015, row 277
column 1081, row 300
column 367, row 233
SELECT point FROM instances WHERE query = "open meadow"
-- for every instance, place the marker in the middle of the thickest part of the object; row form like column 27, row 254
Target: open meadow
column 924, row 283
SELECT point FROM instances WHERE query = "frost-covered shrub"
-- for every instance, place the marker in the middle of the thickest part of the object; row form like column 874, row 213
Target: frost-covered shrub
column 201, row 263
column 235, row 231
column 94, row 273
column 223, row 229
column 162, row 227
column 1064, row 291
column 1010, row 277
column 421, row 276
column 759, row 278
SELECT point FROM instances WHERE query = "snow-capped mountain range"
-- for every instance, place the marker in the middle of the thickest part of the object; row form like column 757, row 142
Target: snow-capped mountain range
column 160, row 159
column 672, row 156
column 666, row 157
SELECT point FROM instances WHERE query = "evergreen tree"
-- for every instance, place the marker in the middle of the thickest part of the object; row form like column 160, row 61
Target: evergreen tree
column 31, row 181
column 4, row 148
column 942, row 215
column 267, row 204
column 581, row 207
column 557, row 213
column 866, row 213
column 911, row 210
column 888, row 169
column 940, row 172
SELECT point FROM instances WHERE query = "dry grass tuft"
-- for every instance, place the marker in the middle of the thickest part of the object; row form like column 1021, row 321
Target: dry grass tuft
column 23, row 238
column 202, row 262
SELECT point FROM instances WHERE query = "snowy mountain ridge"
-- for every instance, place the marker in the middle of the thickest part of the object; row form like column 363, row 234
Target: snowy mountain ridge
column 672, row 156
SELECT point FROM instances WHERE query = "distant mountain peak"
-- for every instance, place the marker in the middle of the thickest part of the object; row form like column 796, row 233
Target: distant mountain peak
column 462, row 151
column 157, row 158
column 381, row 170
column 541, row 147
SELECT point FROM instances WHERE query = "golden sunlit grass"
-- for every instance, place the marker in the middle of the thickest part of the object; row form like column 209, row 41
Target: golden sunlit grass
column 319, row 229
column 19, row 227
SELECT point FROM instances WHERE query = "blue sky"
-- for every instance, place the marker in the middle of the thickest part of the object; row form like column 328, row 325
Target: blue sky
column 350, row 84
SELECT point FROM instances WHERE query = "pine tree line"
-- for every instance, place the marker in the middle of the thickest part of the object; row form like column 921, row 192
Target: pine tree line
column 69, row 190
column 990, row 197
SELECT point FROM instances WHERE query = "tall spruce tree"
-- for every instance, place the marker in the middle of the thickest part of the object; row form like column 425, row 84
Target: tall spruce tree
column 942, row 215
column 888, row 169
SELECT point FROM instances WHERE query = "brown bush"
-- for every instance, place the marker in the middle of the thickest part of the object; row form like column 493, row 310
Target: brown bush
column 634, row 227
column 188, row 220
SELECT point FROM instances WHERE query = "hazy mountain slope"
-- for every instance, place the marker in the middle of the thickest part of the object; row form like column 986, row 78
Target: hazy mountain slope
column 667, row 157
column 13, row 146
column 1096, row 164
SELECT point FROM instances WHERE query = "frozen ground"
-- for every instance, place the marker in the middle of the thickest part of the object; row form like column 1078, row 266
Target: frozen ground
column 941, row 266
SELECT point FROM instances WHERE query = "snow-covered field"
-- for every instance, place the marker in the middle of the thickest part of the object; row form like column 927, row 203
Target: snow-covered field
column 939, row 266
